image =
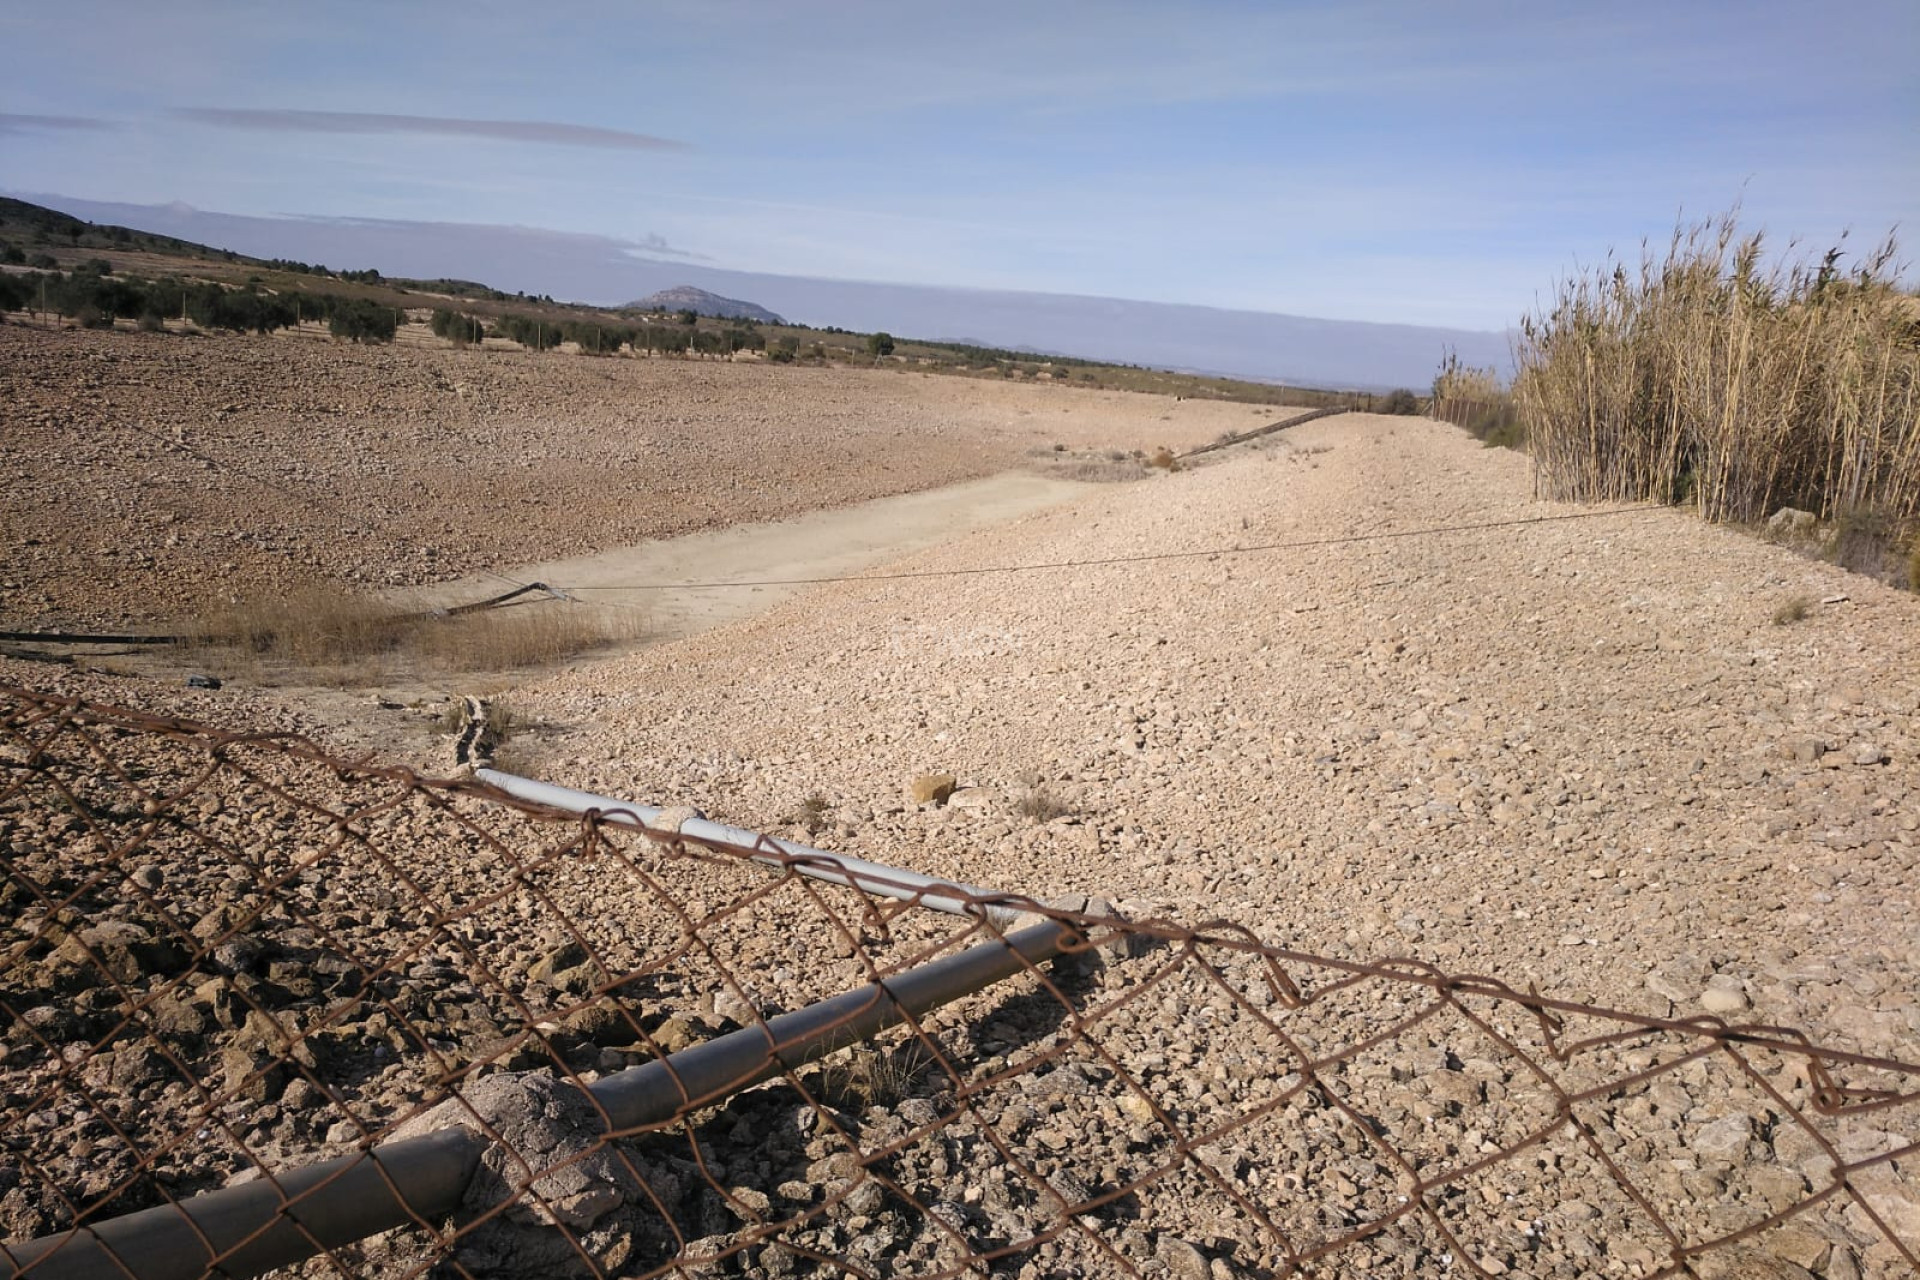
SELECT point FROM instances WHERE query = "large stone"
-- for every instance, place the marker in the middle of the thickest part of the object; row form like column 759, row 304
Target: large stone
column 568, row 955
column 124, row 950
column 1724, row 1139
column 1791, row 522
column 543, row 1125
column 933, row 788
column 1724, row 996
column 256, row 1079
column 1183, row 1260
column 1746, row 1262
column 1679, row 979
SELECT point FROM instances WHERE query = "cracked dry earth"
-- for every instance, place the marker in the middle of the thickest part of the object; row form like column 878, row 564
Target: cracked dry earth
column 1577, row 754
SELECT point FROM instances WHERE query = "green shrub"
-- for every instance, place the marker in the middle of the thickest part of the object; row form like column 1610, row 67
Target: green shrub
column 359, row 320
column 461, row 330
column 532, row 332
column 1401, row 402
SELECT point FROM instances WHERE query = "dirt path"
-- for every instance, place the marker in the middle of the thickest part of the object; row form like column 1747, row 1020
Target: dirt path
column 820, row 544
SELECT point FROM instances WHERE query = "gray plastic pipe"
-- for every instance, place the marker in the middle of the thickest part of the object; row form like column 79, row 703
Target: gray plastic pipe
column 818, row 864
column 280, row 1221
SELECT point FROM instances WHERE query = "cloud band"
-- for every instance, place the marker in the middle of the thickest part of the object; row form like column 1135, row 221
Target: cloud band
column 535, row 131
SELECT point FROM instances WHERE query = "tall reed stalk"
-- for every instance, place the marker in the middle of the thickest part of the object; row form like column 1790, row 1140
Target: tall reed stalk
column 1711, row 376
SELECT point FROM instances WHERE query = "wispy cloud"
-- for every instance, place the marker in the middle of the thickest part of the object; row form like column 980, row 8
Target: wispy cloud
column 15, row 122
column 651, row 244
column 537, row 131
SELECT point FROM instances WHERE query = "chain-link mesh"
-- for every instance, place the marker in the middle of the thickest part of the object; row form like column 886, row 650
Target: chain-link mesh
column 228, row 957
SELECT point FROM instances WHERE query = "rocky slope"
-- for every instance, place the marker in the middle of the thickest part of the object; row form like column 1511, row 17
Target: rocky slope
column 142, row 474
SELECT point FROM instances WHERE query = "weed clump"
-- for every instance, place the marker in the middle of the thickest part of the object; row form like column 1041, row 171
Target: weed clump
column 811, row 814
column 345, row 636
column 1036, row 802
column 1792, row 610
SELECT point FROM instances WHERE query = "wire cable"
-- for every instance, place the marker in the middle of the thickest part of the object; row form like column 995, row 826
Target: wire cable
column 1142, row 558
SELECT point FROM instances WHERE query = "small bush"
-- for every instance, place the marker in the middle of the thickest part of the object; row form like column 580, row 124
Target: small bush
column 1792, row 610
column 871, row 1075
column 811, row 814
column 1163, row 458
column 359, row 320
column 1867, row 542
column 460, row 329
column 1400, row 402
column 1037, row 803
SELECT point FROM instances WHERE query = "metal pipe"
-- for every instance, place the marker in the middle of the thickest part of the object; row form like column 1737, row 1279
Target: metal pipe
column 279, row 1221
column 267, row 1223
column 876, row 878
column 657, row 1091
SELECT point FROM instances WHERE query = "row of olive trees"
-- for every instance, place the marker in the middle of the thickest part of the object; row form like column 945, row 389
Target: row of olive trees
column 94, row 297
column 594, row 337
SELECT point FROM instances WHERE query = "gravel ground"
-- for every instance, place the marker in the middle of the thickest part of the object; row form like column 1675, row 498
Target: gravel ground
column 141, row 471
column 1579, row 754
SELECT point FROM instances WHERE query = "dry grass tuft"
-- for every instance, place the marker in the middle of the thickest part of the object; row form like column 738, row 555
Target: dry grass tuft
column 523, row 636
column 1163, row 458
column 1792, row 610
column 313, row 626
column 345, row 638
column 1037, row 803
column 1098, row 470
column 870, row 1075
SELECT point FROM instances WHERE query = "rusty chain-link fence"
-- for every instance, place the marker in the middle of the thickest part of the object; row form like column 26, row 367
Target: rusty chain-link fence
column 227, row 959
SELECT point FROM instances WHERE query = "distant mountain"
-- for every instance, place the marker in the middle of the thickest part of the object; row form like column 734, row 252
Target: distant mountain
column 1264, row 345
column 684, row 297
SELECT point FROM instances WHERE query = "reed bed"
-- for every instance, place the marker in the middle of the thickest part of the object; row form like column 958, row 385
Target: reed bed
column 1715, row 376
column 1474, row 399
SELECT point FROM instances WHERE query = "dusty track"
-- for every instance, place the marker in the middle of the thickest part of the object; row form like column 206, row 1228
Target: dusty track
column 777, row 557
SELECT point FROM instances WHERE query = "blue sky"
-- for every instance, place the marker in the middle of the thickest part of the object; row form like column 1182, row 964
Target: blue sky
column 1421, row 163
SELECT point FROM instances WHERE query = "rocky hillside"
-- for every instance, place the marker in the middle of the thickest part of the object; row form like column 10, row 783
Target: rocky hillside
column 687, row 298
